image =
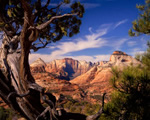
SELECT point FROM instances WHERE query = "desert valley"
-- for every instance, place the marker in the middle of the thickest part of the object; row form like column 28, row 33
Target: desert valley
column 79, row 79
column 84, row 82
column 74, row 60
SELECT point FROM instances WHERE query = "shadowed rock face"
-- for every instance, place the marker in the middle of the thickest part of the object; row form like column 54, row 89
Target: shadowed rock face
column 97, row 78
column 89, row 79
column 68, row 66
column 93, row 79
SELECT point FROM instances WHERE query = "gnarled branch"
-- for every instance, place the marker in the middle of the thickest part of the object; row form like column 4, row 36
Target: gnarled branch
column 37, row 48
column 44, row 25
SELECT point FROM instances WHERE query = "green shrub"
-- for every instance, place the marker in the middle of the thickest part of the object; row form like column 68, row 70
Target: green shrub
column 97, row 97
column 68, row 104
column 6, row 114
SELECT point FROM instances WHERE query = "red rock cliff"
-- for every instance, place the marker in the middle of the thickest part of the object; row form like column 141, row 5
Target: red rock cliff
column 74, row 68
column 38, row 66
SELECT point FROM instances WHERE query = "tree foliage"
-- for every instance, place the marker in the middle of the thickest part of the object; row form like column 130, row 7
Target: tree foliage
column 132, row 86
column 145, row 58
column 52, row 23
column 142, row 24
column 6, row 114
column 131, row 98
column 34, row 24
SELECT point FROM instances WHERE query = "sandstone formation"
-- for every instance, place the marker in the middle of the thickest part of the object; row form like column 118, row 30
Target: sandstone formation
column 68, row 67
column 121, row 59
column 38, row 66
column 96, row 80
column 90, row 80
column 57, row 86
column 51, row 75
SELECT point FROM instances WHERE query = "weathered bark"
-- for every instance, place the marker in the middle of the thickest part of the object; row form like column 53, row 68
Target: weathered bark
column 19, row 90
column 17, row 86
column 29, row 104
column 21, row 93
column 5, row 89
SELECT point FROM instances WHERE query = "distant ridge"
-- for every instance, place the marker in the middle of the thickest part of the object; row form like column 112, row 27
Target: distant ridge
column 69, row 68
column 97, row 78
column 38, row 66
column 89, row 78
column 66, row 68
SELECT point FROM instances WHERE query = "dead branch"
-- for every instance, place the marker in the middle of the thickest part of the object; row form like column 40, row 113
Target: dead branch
column 98, row 114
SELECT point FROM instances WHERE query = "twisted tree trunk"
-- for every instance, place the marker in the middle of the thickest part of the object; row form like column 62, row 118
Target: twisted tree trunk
column 17, row 86
column 24, row 97
column 26, row 93
column 19, row 90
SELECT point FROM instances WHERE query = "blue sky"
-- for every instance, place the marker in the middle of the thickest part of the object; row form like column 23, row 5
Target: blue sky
column 104, row 29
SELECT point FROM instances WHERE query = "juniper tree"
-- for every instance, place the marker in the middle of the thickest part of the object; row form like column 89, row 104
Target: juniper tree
column 33, row 24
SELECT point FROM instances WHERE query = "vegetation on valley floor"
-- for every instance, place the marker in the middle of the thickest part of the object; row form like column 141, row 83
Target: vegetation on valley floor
column 129, row 101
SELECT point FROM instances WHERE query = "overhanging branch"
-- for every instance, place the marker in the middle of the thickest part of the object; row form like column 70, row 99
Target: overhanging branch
column 44, row 25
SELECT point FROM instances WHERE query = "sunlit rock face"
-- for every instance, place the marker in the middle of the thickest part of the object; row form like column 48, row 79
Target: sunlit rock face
column 38, row 66
column 121, row 59
column 93, row 79
column 68, row 67
column 97, row 79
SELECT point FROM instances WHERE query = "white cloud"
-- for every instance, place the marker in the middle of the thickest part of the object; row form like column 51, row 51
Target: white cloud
column 120, row 23
column 132, row 43
column 108, row 25
column 119, row 43
column 93, row 40
column 101, row 58
column 95, row 58
column 51, row 47
column 144, row 40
